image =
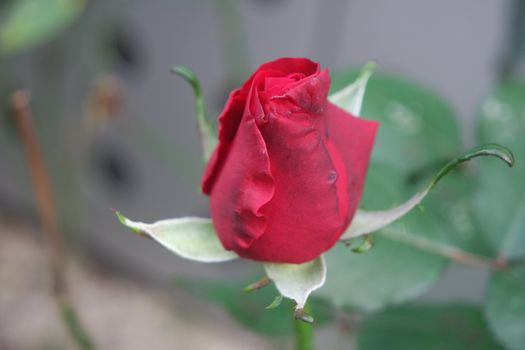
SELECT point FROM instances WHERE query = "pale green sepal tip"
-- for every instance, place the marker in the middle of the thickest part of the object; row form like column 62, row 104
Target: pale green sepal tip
column 350, row 98
column 188, row 75
column 491, row 149
column 124, row 221
column 275, row 303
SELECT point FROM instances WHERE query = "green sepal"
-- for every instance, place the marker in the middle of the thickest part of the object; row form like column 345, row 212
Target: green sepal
column 207, row 132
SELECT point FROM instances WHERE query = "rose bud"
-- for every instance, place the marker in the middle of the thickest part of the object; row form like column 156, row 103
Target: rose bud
column 287, row 175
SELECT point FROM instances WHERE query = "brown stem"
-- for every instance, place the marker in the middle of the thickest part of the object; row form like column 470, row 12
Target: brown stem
column 41, row 185
column 48, row 215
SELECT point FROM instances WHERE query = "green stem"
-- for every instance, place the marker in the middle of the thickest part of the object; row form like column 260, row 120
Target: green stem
column 453, row 253
column 304, row 332
column 74, row 326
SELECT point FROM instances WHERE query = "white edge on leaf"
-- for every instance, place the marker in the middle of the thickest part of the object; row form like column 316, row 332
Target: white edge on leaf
column 297, row 281
column 365, row 222
column 211, row 252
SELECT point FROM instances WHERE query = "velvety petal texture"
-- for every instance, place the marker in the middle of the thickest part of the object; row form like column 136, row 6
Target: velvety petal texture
column 289, row 169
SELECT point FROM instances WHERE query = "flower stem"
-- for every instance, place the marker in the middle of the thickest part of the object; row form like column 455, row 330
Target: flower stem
column 304, row 332
column 453, row 253
column 48, row 216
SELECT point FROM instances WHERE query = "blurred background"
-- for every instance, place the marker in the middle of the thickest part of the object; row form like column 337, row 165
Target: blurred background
column 117, row 130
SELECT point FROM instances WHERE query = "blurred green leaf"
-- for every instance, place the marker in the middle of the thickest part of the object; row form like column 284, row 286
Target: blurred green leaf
column 391, row 273
column 418, row 136
column 398, row 268
column 500, row 194
column 451, row 327
column 451, row 205
column 505, row 306
column 369, row 221
column 249, row 309
column 28, row 23
column 417, row 127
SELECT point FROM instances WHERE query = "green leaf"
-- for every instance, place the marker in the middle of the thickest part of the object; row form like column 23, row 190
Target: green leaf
column 391, row 273
column 417, row 126
column 403, row 263
column 499, row 201
column 451, row 327
column 418, row 134
column 190, row 238
column 207, row 132
column 365, row 222
column 297, row 281
column 28, row 23
column 505, row 306
column 350, row 98
column 249, row 309
column 450, row 210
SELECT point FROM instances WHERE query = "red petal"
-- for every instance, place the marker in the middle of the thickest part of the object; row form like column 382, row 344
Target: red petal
column 288, row 174
column 244, row 186
column 232, row 113
column 318, row 186
column 229, row 121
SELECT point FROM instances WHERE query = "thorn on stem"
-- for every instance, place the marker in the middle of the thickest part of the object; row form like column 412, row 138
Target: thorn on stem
column 263, row 282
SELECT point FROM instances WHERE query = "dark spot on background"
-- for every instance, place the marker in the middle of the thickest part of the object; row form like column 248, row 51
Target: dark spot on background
column 126, row 50
column 113, row 169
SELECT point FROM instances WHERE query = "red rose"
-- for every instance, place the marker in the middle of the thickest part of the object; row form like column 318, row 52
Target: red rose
column 287, row 175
